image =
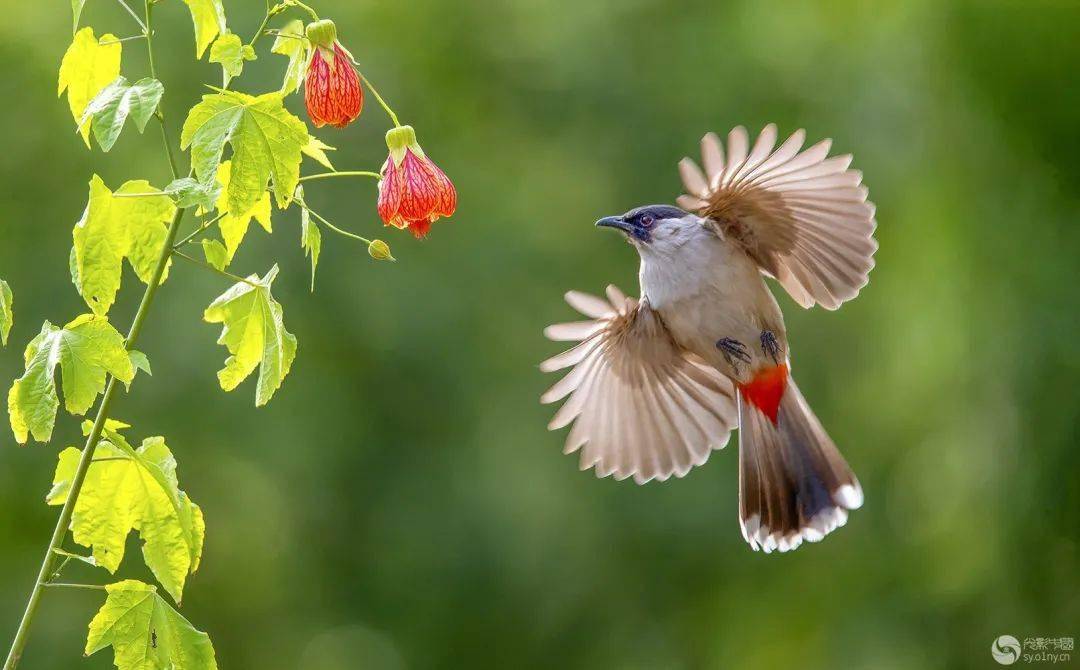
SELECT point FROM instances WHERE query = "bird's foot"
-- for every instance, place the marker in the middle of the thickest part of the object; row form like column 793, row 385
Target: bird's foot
column 733, row 350
column 769, row 346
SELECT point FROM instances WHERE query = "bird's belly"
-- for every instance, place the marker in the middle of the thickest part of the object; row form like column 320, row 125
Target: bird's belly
column 699, row 324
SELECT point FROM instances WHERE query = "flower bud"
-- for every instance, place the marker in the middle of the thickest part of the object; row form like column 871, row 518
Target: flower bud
column 322, row 33
column 380, row 251
column 399, row 139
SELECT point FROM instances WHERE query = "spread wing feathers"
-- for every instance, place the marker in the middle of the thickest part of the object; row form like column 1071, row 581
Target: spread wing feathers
column 801, row 215
column 640, row 405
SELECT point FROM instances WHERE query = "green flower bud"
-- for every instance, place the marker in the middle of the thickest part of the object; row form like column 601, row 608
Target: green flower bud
column 380, row 251
column 322, row 33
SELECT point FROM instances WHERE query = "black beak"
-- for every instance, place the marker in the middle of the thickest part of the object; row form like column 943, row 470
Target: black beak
column 615, row 222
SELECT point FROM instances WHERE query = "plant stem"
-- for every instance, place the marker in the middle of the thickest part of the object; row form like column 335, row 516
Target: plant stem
column 59, row 585
column 386, row 107
column 149, row 5
column 351, row 173
column 211, row 268
column 198, row 230
column 307, row 9
column 331, row 226
column 134, row 15
column 124, row 39
column 87, row 457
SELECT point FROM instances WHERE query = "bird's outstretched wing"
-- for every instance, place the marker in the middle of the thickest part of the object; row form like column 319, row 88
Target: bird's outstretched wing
column 801, row 215
column 640, row 405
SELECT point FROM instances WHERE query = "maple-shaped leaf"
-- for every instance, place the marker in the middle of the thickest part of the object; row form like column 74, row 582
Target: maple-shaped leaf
column 188, row 192
column 292, row 43
column 146, row 633
column 86, row 349
column 114, row 228
column 110, row 108
column 133, row 489
column 316, row 149
column 89, row 65
column 7, row 300
column 265, row 139
column 230, row 52
column 255, row 335
column 215, row 253
column 209, row 19
column 234, row 224
column 310, row 236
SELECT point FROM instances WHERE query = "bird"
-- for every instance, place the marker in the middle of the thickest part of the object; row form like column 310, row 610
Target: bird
column 657, row 383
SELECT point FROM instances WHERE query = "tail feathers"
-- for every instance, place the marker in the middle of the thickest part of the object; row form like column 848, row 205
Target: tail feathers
column 793, row 483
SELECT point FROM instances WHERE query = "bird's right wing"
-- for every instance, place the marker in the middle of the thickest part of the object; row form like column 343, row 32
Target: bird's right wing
column 641, row 406
column 802, row 216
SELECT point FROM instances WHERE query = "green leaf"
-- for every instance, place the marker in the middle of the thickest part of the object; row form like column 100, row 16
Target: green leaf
column 7, row 317
column 129, row 489
column 316, row 149
column 88, row 67
column 209, row 19
column 215, row 253
column 76, row 11
column 110, row 108
column 255, row 335
column 230, row 52
column 188, row 192
column 114, row 228
column 291, row 42
column 139, row 361
column 310, row 237
column 234, row 225
column 86, row 349
column 265, row 139
column 146, row 633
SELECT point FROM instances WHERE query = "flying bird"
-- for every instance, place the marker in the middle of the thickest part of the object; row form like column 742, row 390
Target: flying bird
column 657, row 383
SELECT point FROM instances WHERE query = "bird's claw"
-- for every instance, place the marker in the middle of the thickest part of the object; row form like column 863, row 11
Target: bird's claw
column 733, row 350
column 769, row 346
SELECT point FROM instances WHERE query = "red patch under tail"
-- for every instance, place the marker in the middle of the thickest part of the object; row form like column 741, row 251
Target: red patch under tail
column 766, row 389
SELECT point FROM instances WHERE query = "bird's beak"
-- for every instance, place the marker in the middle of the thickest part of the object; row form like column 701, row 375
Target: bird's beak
column 615, row 222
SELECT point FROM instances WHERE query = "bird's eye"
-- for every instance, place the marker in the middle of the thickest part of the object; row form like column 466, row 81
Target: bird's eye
column 647, row 221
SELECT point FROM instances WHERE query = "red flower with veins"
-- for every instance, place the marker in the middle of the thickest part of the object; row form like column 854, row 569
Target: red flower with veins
column 413, row 191
column 332, row 87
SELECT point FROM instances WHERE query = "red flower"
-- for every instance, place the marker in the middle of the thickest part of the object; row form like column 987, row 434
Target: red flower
column 413, row 191
column 332, row 87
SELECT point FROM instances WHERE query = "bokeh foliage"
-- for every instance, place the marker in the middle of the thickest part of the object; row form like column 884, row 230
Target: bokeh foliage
column 400, row 504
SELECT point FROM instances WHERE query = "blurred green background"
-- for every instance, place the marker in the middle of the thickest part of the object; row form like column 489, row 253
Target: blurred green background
column 399, row 504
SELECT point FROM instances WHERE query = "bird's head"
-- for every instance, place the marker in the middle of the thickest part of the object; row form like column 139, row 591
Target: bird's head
column 655, row 229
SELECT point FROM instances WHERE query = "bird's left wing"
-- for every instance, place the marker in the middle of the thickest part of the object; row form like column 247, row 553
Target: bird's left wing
column 801, row 215
column 641, row 406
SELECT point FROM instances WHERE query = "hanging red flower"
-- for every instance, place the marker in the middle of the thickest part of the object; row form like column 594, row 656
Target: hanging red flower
column 332, row 89
column 413, row 191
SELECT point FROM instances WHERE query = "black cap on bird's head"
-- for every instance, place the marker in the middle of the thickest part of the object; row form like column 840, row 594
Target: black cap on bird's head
column 639, row 223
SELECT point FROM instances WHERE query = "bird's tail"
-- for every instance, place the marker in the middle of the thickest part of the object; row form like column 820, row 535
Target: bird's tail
column 793, row 483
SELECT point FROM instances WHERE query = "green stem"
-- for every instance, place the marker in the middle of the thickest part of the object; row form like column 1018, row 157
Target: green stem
column 307, row 9
column 60, row 585
column 211, row 268
column 149, row 6
column 87, row 457
column 375, row 92
column 198, row 230
column 351, row 173
column 134, row 15
column 331, row 226
column 261, row 30
column 123, row 39
column 45, row 573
